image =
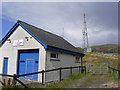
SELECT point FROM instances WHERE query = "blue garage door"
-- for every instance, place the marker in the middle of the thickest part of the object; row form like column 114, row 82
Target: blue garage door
column 5, row 66
column 28, row 63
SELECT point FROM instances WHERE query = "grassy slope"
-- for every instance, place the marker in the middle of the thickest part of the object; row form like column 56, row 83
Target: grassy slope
column 63, row 83
column 106, row 48
column 111, row 60
column 95, row 59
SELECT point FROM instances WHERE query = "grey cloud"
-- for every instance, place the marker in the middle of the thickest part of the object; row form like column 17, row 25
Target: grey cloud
column 0, row 20
column 101, row 19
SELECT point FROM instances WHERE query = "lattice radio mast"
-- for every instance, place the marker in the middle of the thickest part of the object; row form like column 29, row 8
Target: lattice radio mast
column 85, row 35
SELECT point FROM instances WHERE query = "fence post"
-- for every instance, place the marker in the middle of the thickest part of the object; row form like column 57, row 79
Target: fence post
column 118, row 75
column 14, row 82
column 82, row 69
column 85, row 69
column 60, row 73
column 108, row 69
column 70, row 70
column 42, row 76
column 79, row 69
column 113, row 71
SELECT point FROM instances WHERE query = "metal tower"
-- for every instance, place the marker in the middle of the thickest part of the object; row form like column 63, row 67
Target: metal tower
column 85, row 35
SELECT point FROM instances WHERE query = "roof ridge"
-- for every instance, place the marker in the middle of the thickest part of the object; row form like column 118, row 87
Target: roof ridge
column 39, row 28
column 59, row 42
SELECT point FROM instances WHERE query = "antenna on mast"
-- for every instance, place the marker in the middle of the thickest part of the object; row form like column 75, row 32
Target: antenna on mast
column 85, row 36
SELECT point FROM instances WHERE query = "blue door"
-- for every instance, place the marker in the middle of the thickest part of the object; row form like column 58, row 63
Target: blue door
column 5, row 66
column 28, row 63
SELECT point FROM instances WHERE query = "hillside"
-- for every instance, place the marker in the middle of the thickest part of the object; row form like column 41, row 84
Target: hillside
column 80, row 49
column 106, row 48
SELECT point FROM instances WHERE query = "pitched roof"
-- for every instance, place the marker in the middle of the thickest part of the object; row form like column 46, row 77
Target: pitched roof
column 49, row 39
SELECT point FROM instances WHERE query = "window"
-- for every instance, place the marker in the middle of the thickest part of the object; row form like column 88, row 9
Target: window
column 54, row 55
column 77, row 59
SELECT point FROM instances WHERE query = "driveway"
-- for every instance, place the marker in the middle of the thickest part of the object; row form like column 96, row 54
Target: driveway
column 96, row 79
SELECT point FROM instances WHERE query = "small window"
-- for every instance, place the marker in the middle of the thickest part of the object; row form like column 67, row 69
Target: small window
column 54, row 55
column 77, row 59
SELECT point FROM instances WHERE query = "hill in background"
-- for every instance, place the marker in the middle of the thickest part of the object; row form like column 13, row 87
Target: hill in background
column 80, row 49
column 106, row 48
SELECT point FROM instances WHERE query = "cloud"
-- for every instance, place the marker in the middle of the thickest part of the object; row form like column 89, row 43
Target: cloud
column 53, row 17
column 104, row 37
column 0, row 19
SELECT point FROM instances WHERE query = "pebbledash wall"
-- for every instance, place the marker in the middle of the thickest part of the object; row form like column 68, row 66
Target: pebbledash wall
column 8, row 50
column 46, row 63
column 64, row 60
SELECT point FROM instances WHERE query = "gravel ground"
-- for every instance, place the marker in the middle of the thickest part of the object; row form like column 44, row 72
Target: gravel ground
column 27, row 82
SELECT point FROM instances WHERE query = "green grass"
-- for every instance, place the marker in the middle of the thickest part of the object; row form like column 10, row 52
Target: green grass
column 89, row 81
column 10, row 87
column 65, row 82
column 96, row 60
column 95, row 79
column 112, row 77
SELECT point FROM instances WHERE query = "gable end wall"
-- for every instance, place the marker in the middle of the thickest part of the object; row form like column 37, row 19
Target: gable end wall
column 8, row 50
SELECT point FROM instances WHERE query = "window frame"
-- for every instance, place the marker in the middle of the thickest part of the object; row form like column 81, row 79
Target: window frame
column 56, row 58
column 77, row 59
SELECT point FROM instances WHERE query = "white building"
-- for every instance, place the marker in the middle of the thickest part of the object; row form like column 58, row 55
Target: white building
column 27, row 49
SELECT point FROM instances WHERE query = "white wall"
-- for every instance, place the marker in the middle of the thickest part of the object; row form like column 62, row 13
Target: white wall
column 8, row 50
column 66, row 60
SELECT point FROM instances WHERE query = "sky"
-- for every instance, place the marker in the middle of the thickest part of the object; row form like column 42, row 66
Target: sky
column 65, row 19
